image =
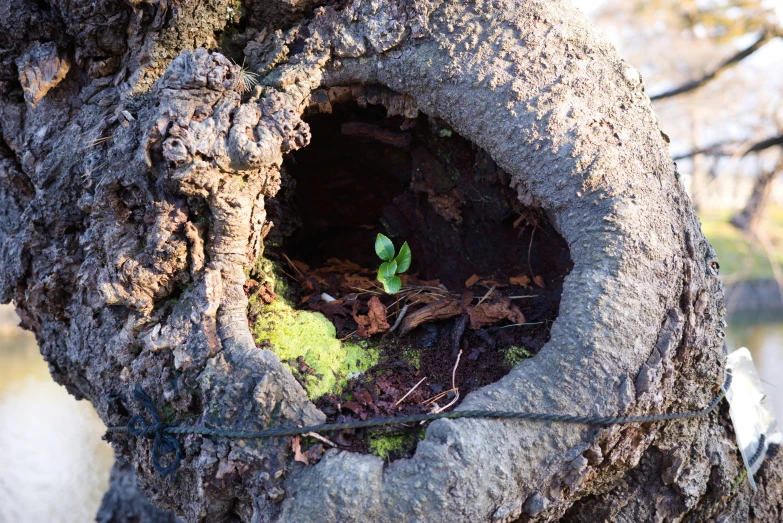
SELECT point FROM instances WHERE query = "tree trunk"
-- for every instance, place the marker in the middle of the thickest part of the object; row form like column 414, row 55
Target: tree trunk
column 748, row 219
column 135, row 180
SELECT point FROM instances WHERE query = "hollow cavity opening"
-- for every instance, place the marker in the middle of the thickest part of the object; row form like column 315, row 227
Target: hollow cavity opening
column 481, row 293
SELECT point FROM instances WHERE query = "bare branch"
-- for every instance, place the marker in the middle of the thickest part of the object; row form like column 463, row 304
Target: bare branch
column 720, row 148
column 766, row 36
column 765, row 144
column 716, row 149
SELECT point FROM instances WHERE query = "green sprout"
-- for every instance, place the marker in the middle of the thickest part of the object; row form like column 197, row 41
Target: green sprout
column 391, row 267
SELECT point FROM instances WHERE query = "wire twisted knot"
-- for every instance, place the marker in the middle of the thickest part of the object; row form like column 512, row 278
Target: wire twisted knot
column 163, row 443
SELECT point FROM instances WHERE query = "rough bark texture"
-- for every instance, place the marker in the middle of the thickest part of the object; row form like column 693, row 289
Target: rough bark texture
column 134, row 176
column 125, row 502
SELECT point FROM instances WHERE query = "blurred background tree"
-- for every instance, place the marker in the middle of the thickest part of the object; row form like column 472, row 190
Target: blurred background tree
column 714, row 73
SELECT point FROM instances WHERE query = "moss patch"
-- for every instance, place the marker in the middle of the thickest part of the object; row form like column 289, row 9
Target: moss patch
column 514, row 355
column 412, row 357
column 311, row 336
column 394, row 446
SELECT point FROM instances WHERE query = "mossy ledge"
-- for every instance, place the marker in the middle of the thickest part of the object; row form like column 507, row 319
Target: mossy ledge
column 293, row 334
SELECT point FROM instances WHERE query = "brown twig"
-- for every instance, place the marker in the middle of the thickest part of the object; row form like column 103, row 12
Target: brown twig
column 520, row 324
column 530, row 248
column 459, row 330
column 453, row 386
column 437, row 397
column 347, row 336
column 487, row 295
column 400, row 316
column 320, row 438
column 294, row 267
column 410, row 391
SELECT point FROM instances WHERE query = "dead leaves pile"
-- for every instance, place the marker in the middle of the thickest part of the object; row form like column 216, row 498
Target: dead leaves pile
column 348, row 295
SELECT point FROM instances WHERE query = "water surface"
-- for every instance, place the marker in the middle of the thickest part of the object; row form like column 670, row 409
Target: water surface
column 54, row 467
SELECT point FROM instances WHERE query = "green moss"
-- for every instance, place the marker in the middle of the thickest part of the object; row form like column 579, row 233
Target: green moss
column 310, row 335
column 412, row 357
column 514, row 355
column 395, row 445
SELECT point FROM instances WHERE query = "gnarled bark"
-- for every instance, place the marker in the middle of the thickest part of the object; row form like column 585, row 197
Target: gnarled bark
column 134, row 193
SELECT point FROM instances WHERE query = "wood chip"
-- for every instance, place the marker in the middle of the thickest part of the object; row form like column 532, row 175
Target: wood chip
column 440, row 310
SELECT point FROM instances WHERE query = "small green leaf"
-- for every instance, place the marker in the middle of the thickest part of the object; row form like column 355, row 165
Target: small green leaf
column 381, row 278
column 384, row 247
column 392, row 285
column 388, row 269
column 403, row 259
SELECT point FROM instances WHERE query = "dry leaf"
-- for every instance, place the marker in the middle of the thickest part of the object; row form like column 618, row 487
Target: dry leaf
column 375, row 321
column 539, row 281
column 364, row 397
column 354, row 407
column 337, row 265
column 358, row 282
column 473, row 280
column 466, row 298
column 522, row 280
column 298, row 455
column 518, row 221
column 486, row 314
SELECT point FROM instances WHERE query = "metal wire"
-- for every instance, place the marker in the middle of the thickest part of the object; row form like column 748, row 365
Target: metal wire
column 165, row 444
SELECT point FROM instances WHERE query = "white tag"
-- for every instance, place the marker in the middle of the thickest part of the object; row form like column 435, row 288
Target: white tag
column 754, row 424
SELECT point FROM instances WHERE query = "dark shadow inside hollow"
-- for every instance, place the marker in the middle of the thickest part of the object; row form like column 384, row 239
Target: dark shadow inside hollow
column 499, row 264
column 362, row 175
